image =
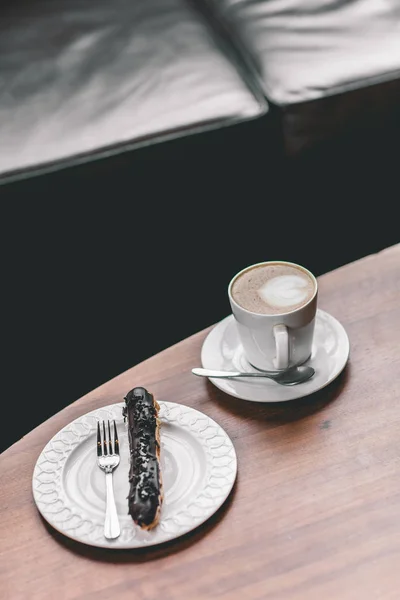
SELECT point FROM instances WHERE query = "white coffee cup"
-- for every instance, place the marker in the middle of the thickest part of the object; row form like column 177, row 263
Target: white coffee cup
column 283, row 339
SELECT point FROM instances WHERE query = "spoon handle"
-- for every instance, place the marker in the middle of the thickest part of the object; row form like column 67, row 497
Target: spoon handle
column 211, row 373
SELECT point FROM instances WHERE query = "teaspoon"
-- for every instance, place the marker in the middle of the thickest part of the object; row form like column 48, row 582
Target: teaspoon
column 291, row 376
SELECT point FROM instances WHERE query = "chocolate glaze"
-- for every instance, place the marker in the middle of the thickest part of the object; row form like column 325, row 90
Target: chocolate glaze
column 144, row 474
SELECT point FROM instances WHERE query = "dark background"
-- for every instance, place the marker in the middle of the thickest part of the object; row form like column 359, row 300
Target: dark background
column 108, row 264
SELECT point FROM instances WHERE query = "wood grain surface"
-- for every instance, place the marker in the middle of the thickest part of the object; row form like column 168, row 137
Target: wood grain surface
column 315, row 511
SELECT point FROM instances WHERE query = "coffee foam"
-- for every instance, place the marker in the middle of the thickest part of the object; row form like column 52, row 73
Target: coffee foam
column 284, row 291
column 273, row 288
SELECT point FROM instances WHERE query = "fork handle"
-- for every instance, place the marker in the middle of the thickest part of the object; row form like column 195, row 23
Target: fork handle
column 111, row 523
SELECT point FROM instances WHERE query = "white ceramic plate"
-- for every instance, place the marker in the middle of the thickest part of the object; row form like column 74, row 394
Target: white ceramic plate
column 198, row 463
column 222, row 350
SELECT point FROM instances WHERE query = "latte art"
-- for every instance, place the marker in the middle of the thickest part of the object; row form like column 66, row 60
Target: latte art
column 284, row 291
column 273, row 288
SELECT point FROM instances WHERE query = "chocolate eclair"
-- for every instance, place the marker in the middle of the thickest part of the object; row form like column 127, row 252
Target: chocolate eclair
column 145, row 492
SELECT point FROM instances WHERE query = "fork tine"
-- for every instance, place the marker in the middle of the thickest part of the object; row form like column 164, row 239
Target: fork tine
column 99, row 449
column 110, row 444
column 116, row 441
column 104, row 439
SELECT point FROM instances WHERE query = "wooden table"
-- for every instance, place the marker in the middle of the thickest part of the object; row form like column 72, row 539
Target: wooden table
column 315, row 511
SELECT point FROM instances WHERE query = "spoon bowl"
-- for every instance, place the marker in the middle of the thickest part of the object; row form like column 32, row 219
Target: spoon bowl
column 291, row 376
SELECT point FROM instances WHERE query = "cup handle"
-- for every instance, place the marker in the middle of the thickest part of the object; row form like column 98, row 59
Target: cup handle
column 281, row 336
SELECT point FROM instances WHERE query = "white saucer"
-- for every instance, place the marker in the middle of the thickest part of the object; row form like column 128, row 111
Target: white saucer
column 222, row 350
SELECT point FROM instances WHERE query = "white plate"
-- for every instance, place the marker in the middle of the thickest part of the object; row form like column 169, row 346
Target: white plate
column 222, row 350
column 198, row 463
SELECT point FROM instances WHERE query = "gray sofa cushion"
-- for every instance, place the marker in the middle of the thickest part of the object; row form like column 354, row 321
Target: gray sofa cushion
column 80, row 80
column 305, row 51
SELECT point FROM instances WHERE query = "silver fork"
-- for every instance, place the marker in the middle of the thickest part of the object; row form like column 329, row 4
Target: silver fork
column 108, row 460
